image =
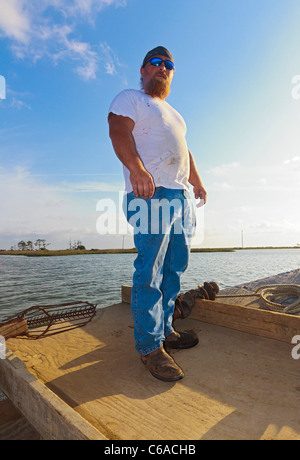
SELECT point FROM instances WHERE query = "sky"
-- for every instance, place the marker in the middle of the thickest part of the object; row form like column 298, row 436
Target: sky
column 236, row 84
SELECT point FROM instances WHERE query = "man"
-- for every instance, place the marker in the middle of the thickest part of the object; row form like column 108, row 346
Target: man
column 148, row 137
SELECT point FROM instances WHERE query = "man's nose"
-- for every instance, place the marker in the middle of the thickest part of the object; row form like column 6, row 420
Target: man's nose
column 163, row 66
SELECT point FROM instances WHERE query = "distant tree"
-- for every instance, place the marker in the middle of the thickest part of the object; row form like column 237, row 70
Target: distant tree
column 76, row 245
column 22, row 245
column 30, row 245
column 38, row 243
column 41, row 244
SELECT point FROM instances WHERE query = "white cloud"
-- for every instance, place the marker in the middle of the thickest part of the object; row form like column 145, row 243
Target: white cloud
column 34, row 207
column 224, row 169
column 110, row 59
column 88, row 71
column 60, row 208
column 19, row 104
column 261, row 199
column 14, row 20
column 86, row 7
column 292, row 160
column 28, row 203
column 275, row 176
column 35, row 35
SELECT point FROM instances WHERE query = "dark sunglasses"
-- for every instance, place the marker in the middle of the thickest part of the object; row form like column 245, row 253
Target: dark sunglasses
column 158, row 61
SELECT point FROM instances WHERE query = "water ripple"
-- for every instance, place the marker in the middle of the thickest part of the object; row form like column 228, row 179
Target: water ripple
column 97, row 278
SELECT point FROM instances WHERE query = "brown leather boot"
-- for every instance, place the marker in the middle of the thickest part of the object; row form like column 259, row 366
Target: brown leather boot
column 162, row 366
column 181, row 339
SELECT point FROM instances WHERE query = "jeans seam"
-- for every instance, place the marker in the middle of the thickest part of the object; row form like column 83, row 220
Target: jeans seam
column 139, row 247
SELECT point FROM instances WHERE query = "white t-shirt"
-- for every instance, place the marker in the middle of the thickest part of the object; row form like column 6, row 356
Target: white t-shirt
column 159, row 133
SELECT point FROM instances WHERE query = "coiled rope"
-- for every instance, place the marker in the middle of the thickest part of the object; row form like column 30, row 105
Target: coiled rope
column 273, row 291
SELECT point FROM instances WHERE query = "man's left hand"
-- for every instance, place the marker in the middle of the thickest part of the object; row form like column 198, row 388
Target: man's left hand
column 200, row 192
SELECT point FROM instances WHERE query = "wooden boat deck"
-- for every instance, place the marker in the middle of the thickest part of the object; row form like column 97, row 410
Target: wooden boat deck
column 237, row 386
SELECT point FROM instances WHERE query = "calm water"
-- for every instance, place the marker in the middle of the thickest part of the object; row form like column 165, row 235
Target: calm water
column 97, row 278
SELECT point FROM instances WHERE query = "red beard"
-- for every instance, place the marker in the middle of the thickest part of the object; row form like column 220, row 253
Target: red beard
column 158, row 87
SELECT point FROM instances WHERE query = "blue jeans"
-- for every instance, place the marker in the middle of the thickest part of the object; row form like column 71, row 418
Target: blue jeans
column 163, row 227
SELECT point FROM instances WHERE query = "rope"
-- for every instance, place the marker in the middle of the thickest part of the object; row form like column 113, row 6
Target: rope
column 273, row 291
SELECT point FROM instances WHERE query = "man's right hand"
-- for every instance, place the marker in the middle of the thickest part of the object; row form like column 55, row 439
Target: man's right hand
column 142, row 183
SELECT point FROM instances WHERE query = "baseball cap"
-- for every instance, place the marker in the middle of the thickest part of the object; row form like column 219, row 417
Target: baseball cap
column 159, row 50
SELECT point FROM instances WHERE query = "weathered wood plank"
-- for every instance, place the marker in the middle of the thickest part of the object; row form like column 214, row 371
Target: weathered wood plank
column 44, row 410
column 264, row 323
column 14, row 328
column 126, row 293
column 256, row 321
column 13, row 426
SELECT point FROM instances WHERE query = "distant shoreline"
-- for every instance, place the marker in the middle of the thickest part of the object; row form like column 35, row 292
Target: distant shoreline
column 72, row 252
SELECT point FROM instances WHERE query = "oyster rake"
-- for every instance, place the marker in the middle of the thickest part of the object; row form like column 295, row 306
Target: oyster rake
column 38, row 321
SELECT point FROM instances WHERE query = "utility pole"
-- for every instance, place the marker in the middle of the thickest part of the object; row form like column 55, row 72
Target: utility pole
column 242, row 236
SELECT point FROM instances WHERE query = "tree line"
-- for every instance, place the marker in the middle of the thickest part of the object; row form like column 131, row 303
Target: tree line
column 41, row 244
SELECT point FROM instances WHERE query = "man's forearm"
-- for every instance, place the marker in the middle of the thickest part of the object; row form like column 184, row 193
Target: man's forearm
column 124, row 146
column 195, row 180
